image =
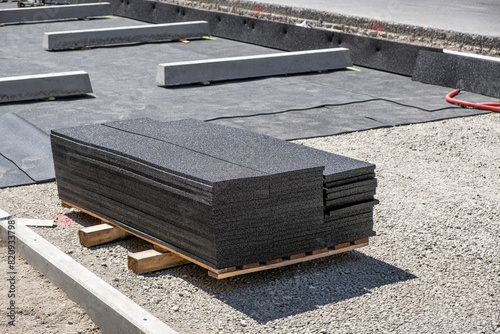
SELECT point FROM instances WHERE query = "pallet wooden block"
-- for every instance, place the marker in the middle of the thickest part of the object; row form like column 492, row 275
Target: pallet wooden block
column 153, row 260
column 100, row 234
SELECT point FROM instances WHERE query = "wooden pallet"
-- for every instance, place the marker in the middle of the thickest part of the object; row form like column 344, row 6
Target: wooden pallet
column 161, row 257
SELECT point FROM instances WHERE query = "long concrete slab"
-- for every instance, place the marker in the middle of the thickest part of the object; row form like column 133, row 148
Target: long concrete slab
column 124, row 35
column 107, row 307
column 52, row 13
column 188, row 72
column 39, row 86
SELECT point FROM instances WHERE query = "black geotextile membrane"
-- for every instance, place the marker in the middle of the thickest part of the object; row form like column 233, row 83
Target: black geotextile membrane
column 330, row 120
column 123, row 90
column 25, row 152
column 11, row 175
column 264, row 208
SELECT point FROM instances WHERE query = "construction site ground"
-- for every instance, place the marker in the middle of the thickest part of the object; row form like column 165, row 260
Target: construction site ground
column 433, row 266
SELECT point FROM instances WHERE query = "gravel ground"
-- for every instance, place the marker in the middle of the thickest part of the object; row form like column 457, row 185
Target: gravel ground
column 432, row 268
column 41, row 306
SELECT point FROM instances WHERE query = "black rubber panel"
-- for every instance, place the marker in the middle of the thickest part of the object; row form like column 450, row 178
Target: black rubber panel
column 159, row 154
column 223, row 196
column 469, row 73
column 27, row 148
column 351, row 189
column 245, row 148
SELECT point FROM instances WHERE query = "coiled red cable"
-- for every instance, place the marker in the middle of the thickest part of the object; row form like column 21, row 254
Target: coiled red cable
column 491, row 106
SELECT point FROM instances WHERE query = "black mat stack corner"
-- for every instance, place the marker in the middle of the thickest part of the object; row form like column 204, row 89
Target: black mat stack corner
column 222, row 196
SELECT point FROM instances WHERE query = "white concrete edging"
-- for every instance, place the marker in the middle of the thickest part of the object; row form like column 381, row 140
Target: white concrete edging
column 52, row 13
column 188, row 72
column 124, row 35
column 39, row 86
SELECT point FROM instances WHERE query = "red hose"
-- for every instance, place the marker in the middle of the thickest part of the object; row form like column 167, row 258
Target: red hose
column 491, row 106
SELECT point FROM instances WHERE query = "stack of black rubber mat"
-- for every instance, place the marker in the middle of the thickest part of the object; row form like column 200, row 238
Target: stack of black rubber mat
column 220, row 195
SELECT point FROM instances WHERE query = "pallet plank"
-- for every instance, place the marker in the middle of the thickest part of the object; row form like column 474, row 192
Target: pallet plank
column 153, row 260
column 175, row 257
column 340, row 246
column 100, row 234
column 289, row 262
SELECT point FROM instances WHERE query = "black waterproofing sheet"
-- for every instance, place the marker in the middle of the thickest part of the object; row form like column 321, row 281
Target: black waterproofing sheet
column 25, row 154
column 286, row 107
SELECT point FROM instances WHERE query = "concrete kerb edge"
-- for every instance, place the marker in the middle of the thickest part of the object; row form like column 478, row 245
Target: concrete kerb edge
column 112, row 311
column 340, row 22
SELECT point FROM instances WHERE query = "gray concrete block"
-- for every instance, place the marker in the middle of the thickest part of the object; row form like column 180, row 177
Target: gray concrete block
column 53, row 13
column 459, row 71
column 124, row 35
column 187, row 72
column 39, row 86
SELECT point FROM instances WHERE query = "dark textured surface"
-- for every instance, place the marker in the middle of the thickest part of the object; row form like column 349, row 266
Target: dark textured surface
column 335, row 203
column 325, row 121
column 263, row 209
column 247, row 148
column 123, row 91
column 350, row 210
column 25, row 147
column 469, row 73
column 158, row 154
column 11, row 175
column 353, row 189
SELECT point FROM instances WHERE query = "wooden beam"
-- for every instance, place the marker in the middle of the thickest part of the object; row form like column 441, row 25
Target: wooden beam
column 153, row 260
column 331, row 251
column 100, row 234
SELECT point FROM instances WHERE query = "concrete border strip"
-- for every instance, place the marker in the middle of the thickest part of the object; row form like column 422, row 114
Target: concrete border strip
column 39, row 86
column 52, row 13
column 107, row 307
column 124, row 35
column 471, row 55
column 188, row 72
column 414, row 34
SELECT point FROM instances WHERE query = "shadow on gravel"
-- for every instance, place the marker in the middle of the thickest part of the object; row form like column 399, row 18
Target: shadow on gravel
column 288, row 291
